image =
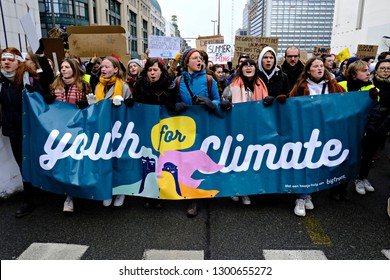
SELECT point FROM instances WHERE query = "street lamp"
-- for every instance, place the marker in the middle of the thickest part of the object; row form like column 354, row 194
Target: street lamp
column 214, row 21
column 219, row 18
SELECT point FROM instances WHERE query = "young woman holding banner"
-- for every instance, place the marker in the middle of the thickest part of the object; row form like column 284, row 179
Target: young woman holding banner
column 314, row 80
column 70, row 87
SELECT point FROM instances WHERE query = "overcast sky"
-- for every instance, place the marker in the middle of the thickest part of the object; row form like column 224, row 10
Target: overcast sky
column 194, row 16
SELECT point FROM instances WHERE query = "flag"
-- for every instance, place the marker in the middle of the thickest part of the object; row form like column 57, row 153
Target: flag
column 344, row 54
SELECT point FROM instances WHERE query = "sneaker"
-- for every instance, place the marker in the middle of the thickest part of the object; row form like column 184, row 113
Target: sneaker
column 367, row 186
column 68, row 205
column 299, row 209
column 246, row 200
column 119, row 200
column 107, row 202
column 308, row 203
column 359, row 187
column 235, row 198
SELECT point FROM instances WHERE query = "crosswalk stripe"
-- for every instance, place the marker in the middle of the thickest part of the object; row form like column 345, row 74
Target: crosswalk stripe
column 386, row 253
column 53, row 251
column 173, row 255
column 294, row 255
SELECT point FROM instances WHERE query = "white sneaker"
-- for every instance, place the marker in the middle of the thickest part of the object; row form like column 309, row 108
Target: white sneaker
column 68, row 205
column 360, row 187
column 246, row 200
column 299, row 209
column 367, row 186
column 119, row 200
column 235, row 198
column 308, row 203
column 107, row 202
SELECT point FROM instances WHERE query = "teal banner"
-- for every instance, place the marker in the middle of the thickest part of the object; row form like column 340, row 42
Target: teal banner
column 308, row 144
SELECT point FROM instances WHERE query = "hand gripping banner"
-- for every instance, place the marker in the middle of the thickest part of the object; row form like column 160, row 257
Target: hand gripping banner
column 306, row 145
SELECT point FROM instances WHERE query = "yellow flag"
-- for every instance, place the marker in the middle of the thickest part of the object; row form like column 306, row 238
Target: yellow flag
column 344, row 54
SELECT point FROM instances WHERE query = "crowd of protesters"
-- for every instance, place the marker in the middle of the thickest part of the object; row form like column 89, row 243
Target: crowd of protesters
column 190, row 79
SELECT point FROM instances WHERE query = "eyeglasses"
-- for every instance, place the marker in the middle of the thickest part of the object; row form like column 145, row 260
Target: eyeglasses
column 384, row 69
column 292, row 56
column 248, row 66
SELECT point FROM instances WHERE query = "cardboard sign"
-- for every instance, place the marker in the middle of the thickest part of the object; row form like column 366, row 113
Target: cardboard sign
column 318, row 51
column 102, row 40
column 163, row 46
column 366, row 51
column 56, row 46
column 202, row 42
column 219, row 53
column 252, row 45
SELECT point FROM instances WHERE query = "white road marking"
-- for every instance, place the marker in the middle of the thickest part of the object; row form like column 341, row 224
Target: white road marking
column 53, row 251
column 386, row 253
column 173, row 255
column 294, row 255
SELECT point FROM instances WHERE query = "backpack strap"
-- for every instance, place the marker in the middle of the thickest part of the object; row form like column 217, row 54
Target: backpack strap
column 177, row 86
column 209, row 84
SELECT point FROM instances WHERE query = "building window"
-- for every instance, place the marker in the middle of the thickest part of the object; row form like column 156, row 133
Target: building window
column 145, row 34
column 114, row 12
column 133, row 32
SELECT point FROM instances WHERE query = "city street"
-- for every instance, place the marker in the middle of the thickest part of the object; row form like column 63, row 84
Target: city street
column 268, row 229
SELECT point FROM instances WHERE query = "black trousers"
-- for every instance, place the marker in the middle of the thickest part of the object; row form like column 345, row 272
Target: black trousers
column 371, row 144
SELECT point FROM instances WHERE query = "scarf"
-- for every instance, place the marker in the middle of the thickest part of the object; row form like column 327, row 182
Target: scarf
column 239, row 94
column 379, row 79
column 10, row 76
column 101, row 87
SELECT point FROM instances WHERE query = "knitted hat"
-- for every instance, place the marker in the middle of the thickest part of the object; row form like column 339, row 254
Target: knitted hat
column 136, row 61
column 186, row 57
column 351, row 60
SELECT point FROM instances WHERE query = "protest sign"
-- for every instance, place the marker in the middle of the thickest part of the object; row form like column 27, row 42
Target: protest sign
column 252, row 45
column 219, row 53
column 88, row 41
column 163, row 46
column 366, row 51
column 202, row 42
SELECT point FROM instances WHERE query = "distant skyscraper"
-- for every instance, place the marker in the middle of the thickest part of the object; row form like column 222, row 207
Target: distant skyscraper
column 303, row 23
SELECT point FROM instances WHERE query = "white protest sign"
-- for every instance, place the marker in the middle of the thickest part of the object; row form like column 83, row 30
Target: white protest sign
column 219, row 53
column 163, row 46
column 28, row 25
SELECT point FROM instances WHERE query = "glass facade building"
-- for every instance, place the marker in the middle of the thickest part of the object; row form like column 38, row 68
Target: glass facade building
column 303, row 23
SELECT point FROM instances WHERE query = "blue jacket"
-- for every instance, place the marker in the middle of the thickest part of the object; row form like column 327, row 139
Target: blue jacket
column 197, row 82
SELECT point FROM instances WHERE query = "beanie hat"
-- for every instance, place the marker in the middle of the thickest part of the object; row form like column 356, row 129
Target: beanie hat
column 351, row 60
column 136, row 61
column 186, row 57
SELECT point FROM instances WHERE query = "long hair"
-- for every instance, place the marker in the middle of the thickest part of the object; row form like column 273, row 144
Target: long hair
column 77, row 75
column 22, row 67
column 306, row 73
column 116, row 64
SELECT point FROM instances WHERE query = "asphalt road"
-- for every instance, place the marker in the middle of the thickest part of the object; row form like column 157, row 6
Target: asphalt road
column 224, row 230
